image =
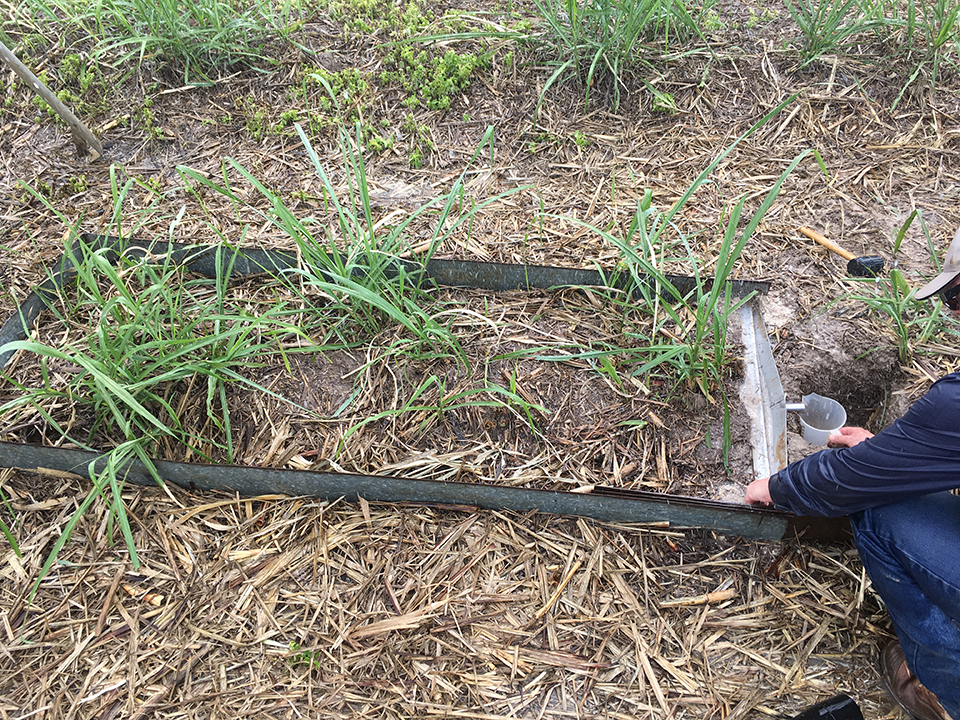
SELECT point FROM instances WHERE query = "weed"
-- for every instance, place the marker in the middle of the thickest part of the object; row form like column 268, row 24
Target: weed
column 34, row 43
column 711, row 22
column 41, row 189
column 373, row 140
column 287, row 118
column 304, row 657
column 420, row 138
column 151, row 184
column 581, row 140
column 413, row 20
column 828, row 25
column 430, row 80
column 760, row 18
column 6, row 529
column 345, row 90
column 344, row 95
column 66, row 96
column 148, row 119
column 256, row 121
column 78, row 184
column 357, row 16
column 74, row 70
column 663, row 102
column 601, row 41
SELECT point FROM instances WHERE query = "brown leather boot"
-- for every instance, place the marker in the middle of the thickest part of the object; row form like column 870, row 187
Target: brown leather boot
column 905, row 687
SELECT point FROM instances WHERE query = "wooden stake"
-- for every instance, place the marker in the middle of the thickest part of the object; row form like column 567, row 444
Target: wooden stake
column 82, row 137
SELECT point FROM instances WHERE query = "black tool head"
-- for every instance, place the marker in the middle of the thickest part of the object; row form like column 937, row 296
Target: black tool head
column 866, row 266
column 839, row 707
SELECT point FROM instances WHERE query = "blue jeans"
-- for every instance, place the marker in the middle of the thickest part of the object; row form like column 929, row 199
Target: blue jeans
column 911, row 551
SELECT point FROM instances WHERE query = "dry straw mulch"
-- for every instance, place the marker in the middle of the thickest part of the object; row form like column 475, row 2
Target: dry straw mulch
column 284, row 607
column 288, row 608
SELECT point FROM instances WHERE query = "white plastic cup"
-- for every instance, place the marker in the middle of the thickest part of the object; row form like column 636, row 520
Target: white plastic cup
column 821, row 417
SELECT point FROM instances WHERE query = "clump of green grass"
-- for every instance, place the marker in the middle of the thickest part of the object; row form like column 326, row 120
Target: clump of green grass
column 937, row 23
column 932, row 29
column 912, row 322
column 156, row 345
column 831, row 25
column 202, row 39
column 348, row 258
column 150, row 368
column 684, row 334
column 601, row 42
column 921, row 34
column 667, row 337
column 369, row 292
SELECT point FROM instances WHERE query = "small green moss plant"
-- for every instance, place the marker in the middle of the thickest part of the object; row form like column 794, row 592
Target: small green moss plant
column 369, row 17
column 78, row 184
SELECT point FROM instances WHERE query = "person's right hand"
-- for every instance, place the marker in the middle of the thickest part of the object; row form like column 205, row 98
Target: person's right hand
column 848, row 437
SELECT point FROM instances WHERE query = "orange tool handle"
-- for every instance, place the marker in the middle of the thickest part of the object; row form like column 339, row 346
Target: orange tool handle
column 829, row 245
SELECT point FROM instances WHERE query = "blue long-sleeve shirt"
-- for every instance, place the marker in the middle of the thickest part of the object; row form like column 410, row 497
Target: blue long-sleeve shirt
column 916, row 455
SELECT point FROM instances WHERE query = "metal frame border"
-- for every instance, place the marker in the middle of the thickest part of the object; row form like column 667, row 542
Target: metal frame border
column 604, row 503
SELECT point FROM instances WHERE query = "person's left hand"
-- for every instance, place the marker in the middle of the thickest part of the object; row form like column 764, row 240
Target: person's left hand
column 758, row 492
column 848, row 437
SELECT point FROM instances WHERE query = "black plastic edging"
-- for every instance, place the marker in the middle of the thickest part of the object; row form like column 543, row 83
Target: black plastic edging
column 613, row 506
column 214, row 260
column 634, row 506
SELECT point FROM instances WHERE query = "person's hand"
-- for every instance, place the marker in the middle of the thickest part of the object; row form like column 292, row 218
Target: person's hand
column 848, row 437
column 758, row 492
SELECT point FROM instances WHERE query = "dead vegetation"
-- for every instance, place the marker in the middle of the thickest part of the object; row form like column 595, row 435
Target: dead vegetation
column 279, row 607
